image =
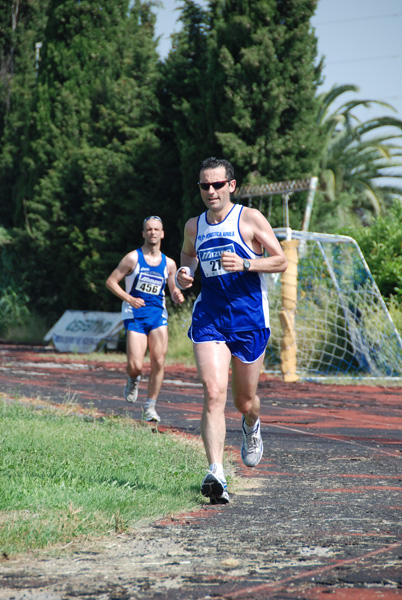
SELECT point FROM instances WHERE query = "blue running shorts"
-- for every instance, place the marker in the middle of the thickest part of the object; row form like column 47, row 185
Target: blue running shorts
column 248, row 346
column 145, row 325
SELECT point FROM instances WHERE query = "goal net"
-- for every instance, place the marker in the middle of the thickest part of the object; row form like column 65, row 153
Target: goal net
column 342, row 325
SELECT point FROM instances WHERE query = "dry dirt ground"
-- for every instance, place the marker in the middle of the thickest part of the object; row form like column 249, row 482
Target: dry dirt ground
column 319, row 518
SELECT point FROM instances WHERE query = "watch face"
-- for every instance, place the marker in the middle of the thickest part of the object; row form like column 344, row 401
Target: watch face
column 246, row 265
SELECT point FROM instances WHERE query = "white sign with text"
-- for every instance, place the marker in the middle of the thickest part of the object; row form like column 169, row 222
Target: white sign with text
column 83, row 331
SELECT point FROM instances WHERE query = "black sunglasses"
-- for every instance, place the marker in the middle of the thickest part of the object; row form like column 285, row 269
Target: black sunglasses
column 217, row 185
column 153, row 217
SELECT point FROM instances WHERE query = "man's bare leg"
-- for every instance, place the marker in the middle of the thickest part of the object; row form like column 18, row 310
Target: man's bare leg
column 136, row 344
column 244, row 386
column 213, row 361
column 157, row 344
column 245, row 378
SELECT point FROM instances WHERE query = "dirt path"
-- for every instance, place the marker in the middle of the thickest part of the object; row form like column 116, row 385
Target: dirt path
column 320, row 517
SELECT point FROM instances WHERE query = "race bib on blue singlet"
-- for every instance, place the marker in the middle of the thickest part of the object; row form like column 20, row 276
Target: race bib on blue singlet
column 210, row 259
column 149, row 284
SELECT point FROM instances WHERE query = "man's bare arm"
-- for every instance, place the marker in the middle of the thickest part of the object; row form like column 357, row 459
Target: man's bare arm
column 125, row 266
column 256, row 231
column 175, row 293
column 188, row 257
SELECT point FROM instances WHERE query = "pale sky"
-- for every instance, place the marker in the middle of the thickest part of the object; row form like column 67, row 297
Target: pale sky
column 361, row 41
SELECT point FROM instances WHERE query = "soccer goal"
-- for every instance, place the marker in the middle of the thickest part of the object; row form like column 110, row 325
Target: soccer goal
column 333, row 321
column 328, row 317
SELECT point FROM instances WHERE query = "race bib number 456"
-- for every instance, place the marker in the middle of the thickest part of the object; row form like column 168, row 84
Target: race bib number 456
column 210, row 259
column 149, row 284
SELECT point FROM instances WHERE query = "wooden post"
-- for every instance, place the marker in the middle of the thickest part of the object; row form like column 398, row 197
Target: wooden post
column 287, row 314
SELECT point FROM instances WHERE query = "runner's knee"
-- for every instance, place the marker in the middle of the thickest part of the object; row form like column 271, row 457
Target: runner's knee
column 134, row 367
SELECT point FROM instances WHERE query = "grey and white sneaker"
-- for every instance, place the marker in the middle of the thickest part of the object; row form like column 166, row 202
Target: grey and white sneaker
column 131, row 389
column 252, row 446
column 150, row 414
column 215, row 488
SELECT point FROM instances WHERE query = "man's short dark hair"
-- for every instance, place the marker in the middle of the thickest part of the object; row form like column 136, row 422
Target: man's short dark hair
column 214, row 163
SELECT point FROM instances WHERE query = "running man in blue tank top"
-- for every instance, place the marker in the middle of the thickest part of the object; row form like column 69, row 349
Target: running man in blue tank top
column 146, row 272
column 230, row 322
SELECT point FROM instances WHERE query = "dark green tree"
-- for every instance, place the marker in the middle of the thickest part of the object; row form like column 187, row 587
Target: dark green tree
column 22, row 24
column 183, row 94
column 100, row 133
column 93, row 149
column 242, row 85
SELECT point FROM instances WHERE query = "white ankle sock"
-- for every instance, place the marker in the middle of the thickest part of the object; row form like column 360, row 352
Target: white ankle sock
column 216, row 469
column 249, row 429
column 149, row 404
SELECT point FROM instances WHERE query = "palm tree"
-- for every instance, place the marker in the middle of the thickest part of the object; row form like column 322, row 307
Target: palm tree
column 356, row 166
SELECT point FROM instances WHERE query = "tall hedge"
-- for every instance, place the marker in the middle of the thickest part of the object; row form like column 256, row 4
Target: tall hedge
column 99, row 132
column 241, row 81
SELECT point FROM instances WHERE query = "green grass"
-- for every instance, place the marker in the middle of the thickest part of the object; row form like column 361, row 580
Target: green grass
column 395, row 310
column 69, row 477
column 30, row 330
column 180, row 347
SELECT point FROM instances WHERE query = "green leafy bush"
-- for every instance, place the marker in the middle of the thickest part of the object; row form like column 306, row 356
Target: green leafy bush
column 13, row 309
column 13, row 299
column 381, row 244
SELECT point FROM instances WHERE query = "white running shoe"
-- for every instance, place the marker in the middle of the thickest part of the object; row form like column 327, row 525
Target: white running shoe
column 252, row 446
column 151, row 414
column 131, row 389
column 215, row 488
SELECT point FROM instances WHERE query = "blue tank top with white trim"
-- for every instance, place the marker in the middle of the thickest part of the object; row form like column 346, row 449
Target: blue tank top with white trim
column 147, row 282
column 232, row 301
